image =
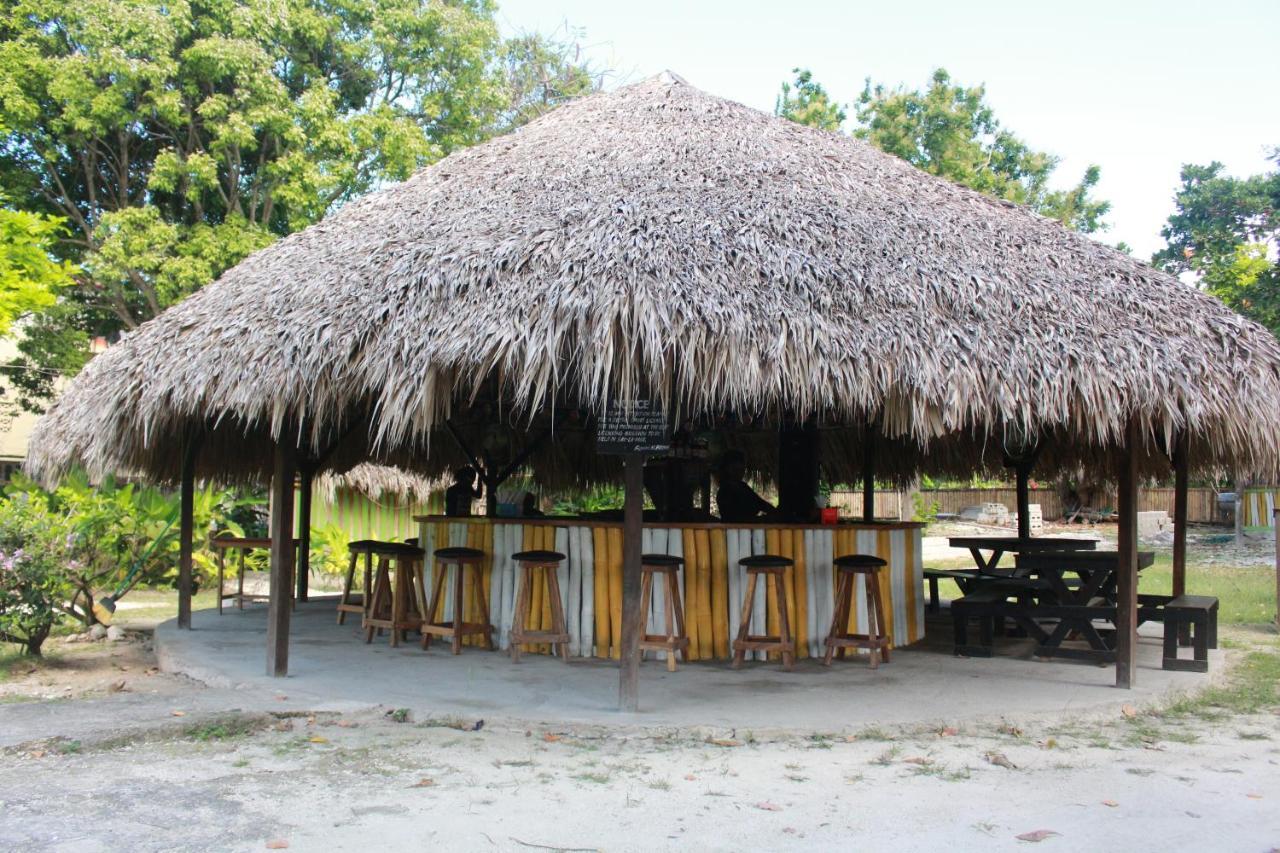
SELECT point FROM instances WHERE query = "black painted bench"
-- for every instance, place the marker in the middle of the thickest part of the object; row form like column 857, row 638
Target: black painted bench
column 1199, row 615
column 966, row 579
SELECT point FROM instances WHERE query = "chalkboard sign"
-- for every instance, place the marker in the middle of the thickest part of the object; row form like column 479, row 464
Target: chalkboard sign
column 640, row 427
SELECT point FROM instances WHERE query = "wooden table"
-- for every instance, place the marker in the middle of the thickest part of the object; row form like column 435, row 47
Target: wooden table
column 243, row 544
column 1000, row 545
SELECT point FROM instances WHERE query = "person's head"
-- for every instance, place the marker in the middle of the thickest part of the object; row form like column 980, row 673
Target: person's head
column 733, row 465
column 466, row 475
column 530, row 503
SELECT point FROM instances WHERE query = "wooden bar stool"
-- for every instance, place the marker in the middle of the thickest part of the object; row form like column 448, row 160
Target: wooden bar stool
column 396, row 600
column 349, row 602
column 455, row 561
column 675, row 638
column 547, row 562
column 775, row 567
column 848, row 567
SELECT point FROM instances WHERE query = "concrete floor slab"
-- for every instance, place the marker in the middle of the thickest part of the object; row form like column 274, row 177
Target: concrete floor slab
column 331, row 668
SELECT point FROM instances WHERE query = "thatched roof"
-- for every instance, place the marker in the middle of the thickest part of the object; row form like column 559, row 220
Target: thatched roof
column 660, row 240
column 378, row 482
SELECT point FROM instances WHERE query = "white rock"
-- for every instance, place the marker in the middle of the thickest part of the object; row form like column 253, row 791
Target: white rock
column 97, row 631
column 115, row 634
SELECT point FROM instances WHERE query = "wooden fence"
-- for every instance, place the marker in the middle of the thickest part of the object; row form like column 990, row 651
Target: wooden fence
column 1201, row 503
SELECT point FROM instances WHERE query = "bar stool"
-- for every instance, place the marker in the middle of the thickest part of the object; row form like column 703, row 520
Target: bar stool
column 349, row 602
column 775, row 567
column 396, row 600
column 547, row 562
column 455, row 561
column 675, row 638
column 875, row 639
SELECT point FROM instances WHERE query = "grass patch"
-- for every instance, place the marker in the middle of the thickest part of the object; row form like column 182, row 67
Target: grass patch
column 595, row 778
column 224, row 729
column 1252, row 686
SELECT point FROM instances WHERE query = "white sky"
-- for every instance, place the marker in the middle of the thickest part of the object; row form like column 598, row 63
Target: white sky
column 1138, row 87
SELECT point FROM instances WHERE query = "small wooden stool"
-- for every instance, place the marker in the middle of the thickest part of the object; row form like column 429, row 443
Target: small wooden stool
column 848, row 568
column 396, row 602
column 774, row 567
column 349, row 602
column 548, row 562
column 455, row 561
column 675, row 638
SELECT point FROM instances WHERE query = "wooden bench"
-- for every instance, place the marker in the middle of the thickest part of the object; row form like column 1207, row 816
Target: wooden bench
column 966, row 579
column 987, row 606
column 1199, row 614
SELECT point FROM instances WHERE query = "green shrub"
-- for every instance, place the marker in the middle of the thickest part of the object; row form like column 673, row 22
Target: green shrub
column 35, row 571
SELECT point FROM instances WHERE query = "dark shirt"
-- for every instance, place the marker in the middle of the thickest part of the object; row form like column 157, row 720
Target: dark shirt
column 738, row 502
column 458, row 498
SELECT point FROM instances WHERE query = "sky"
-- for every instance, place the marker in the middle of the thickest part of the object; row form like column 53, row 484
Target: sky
column 1139, row 88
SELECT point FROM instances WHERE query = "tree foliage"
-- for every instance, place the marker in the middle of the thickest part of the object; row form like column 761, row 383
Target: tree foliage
column 1224, row 231
column 29, row 276
column 175, row 138
column 806, row 102
column 951, row 131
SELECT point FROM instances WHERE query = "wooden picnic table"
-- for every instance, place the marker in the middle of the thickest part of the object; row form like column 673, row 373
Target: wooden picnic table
column 244, row 544
column 1001, row 545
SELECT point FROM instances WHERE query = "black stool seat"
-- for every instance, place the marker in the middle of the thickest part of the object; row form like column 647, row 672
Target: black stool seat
column 538, row 557
column 859, row 561
column 661, row 560
column 396, row 549
column 765, row 561
column 459, row 553
column 361, row 546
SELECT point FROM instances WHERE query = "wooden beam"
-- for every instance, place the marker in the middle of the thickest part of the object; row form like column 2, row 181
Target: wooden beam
column 869, row 472
column 306, row 477
column 1180, row 514
column 323, row 456
column 283, row 474
column 632, row 618
column 186, row 527
column 1024, row 499
column 1127, row 570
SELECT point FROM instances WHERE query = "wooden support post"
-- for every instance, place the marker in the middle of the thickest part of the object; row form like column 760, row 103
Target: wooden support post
column 1127, row 570
column 306, row 476
column 869, row 473
column 632, row 618
column 1180, row 515
column 281, row 528
column 1024, row 498
column 186, row 527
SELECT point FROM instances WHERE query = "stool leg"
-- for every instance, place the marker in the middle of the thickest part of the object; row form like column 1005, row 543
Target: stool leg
column 558, row 623
column 784, row 622
column 646, row 597
column 397, row 604
column 482, row 604
column 456, row 640
column 522, row 605
column 375, row 606
column 873, row 619
column 673, row 585
column 368, row 581
column 433, row 607
column 345, row 597
column 744, row 627
column 882, row 630
column 839, row 619
column 670, row 625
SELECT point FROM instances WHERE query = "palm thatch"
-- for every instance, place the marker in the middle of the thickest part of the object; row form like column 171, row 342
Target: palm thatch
column 660, row 241
column 377, row 482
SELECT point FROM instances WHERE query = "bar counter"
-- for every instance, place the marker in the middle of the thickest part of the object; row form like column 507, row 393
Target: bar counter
column 712, row 584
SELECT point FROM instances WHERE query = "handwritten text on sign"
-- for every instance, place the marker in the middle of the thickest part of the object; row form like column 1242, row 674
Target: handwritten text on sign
column 640, row 427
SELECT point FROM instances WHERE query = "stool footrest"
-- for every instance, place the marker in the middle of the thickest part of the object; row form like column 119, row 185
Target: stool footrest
column 539, row 637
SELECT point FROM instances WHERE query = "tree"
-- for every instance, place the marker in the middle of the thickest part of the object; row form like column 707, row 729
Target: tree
column 175, row 138
column 950, row 131
column 29, row 277
column 808, row 103
column 1224, row 231
column 539, row 73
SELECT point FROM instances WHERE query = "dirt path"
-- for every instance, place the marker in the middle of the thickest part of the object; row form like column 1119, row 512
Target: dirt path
column 1194, row 777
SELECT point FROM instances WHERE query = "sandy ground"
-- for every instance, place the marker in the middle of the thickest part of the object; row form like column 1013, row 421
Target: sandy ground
column 164, row 763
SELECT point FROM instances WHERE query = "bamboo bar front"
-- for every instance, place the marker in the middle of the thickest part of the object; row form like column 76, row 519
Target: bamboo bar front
column 712, row 584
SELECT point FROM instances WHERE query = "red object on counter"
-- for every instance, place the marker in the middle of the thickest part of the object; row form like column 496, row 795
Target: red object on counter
column 831, row 515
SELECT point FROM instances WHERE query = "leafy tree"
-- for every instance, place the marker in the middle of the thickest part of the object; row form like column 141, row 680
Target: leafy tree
column 1224, row 231
column 34, row 572
column 29, row 277
column 175, row 138
column 539, row 73
column 950, row 131
column 807, row 102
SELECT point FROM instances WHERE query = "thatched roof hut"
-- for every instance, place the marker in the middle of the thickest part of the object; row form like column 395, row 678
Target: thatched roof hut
column 657, row 240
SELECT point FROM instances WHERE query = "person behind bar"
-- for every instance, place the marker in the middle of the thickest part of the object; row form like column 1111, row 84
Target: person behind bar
column 738, row 502
column 465, row 489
